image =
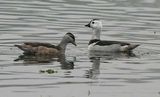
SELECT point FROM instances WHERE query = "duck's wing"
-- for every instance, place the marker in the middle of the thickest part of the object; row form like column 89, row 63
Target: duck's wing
column 125, row 47
column 36, row 44
column 30, row 48
column 105, row 42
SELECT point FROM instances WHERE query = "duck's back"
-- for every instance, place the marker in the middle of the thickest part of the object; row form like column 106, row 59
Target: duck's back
column 110, row 46
column 36, row 44
column 37, row 48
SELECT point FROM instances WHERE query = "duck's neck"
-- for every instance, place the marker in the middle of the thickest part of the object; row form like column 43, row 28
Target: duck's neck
column 96, row 33
column 63, row 45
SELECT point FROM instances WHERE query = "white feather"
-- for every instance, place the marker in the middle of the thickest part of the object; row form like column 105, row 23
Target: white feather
column 96, row 26
column 124, row 48
column 107, row 48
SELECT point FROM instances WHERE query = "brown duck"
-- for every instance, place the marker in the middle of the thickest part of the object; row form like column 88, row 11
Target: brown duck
column 47, row 49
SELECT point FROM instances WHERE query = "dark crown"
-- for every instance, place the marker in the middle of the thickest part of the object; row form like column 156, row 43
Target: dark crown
column 71, row 35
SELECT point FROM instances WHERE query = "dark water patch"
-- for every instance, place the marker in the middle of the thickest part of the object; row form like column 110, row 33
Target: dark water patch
column 135, row 62
column 131, row 69
column 153, row 78
column 6, row 74
column 12, row 79
column 23, row 91
column 153, row 70
column 104, row 85
column 136, row 81
column 39, row 85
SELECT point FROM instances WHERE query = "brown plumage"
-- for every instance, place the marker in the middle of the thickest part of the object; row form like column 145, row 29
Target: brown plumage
column 47, row 49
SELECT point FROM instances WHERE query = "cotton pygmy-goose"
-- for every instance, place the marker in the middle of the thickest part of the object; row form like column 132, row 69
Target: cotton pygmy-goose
column 47, row 49
column 95, row 44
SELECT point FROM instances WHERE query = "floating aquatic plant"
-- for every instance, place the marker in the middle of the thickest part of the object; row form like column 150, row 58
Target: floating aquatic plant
column 49, row 71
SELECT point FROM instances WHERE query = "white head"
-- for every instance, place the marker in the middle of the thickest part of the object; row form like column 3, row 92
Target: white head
column 95, row 24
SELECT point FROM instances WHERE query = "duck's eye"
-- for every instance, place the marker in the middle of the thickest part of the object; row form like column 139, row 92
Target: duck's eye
column 92, row 22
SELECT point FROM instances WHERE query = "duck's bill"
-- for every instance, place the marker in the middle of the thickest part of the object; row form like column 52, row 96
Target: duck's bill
column 74, row 43
column 88, row 25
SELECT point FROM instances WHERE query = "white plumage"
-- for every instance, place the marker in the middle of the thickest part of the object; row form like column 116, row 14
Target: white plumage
column 96, row 44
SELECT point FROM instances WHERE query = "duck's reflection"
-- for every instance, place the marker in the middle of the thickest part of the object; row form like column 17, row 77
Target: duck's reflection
column 94, row 71
column 95, row 58
column 66, row 64
column 30, row 59
column 110, row 56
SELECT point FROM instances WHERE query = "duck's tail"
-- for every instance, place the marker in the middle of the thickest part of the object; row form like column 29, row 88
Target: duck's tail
column 128, row 48
column 26, row 50
column 132, row 46
column 21, row 47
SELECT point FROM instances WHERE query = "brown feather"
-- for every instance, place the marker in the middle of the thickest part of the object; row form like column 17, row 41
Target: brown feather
column 35, row 44
column 39, row 48
column 45, row 51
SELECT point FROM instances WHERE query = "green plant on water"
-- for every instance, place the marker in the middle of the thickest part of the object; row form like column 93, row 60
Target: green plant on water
column 49, row 71
column 42, row 71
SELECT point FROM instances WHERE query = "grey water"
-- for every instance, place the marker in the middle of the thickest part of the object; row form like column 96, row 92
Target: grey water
column 116, row 75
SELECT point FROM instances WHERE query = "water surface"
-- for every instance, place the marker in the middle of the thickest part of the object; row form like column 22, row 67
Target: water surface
column 116, row 75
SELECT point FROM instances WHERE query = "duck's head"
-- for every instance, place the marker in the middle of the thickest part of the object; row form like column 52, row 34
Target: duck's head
column 70, row 38
column 95, row 24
